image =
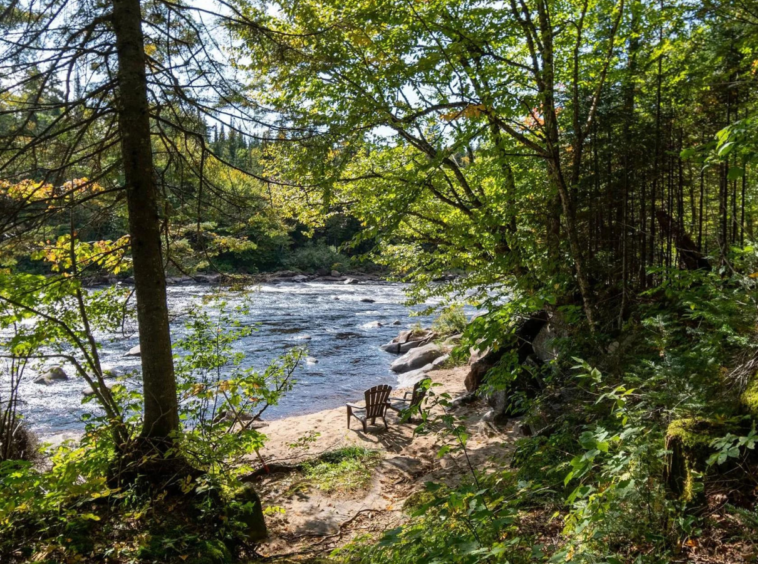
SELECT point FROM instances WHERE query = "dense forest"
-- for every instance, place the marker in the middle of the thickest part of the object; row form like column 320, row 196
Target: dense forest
column 582, row 172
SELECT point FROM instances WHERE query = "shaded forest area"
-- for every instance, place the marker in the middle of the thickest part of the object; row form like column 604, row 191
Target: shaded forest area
column 587, row 168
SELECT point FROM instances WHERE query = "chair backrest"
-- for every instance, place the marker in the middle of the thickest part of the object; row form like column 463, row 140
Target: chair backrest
column 376, row 400
column 419, row 393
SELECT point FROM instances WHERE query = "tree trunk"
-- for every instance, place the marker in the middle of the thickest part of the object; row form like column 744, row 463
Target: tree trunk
column 159, row 386
column 575, row 247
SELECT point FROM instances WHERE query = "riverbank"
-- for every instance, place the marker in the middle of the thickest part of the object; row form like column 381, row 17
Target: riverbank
column 279, row 276
column 405, row 461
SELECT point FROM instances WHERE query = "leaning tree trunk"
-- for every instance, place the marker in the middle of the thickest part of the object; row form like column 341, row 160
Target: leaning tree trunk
column 159, row 385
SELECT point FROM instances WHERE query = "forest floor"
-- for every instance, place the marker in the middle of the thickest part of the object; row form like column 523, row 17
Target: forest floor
column 318, row 514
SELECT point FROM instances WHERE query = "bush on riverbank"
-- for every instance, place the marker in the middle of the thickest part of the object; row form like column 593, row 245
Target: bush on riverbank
column 451, row 321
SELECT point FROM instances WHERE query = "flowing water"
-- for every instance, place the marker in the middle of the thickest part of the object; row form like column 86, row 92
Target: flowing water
column 339, row 329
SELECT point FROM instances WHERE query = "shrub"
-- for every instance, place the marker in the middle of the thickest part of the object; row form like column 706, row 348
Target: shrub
column 452, row 320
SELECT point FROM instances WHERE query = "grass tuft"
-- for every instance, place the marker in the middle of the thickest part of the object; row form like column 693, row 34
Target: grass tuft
column 343, row 470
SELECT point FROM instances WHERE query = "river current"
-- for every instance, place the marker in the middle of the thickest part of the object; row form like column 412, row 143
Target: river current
column 342, row 331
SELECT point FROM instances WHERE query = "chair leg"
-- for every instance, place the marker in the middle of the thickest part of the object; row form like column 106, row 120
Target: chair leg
column 365, row 425
column 386, row 427
column 348, row 417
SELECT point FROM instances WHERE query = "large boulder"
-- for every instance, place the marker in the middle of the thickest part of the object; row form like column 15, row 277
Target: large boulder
column 134, row 351
column 416, row 358
column 400, row 348
column 481, row 361
column 407, row 340
column 51, row 375
column 408, row 379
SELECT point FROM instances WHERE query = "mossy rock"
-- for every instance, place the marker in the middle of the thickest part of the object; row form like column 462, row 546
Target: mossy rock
column 688, row 442
column 249, row 511
column 749, row 398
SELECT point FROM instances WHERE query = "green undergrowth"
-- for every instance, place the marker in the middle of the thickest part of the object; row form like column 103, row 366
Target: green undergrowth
column 343, row 470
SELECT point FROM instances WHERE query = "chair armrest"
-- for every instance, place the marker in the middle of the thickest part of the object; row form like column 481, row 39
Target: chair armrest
column 406, row 394
column 355, row 406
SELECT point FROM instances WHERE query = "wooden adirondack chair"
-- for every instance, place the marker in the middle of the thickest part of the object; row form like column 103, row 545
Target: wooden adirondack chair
column 376, row 406
column 405, row 403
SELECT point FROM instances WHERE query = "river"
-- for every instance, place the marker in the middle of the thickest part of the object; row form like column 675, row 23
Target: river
column 331, row 319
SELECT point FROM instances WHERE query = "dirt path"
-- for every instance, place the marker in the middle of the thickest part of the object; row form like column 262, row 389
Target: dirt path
column 314, row 521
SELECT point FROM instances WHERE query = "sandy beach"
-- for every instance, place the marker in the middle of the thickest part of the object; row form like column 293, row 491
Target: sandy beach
column 310, row 521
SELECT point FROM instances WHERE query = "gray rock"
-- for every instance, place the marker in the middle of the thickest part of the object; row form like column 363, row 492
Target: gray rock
column 408, row 379
column 489, row 417
column 299, row 278
column 336, row 273
column 372, row 325
column 401, row 344
column 402, row 337
column 51, row 375
column 416, row 358
column 391, row 347
column 405, row 347
column 397, row 322
column 440, row 360
column 368, row 300
column 497, row 400
column 407, row 340
column 311, row 360
column 207, row 278
column 134, row 351
column 452, row 340
column 112, row 373
column 350, row 281
column 544, row 344
column 346, row 335
column 86, row 392
column 406, row 465
column 462, row 400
